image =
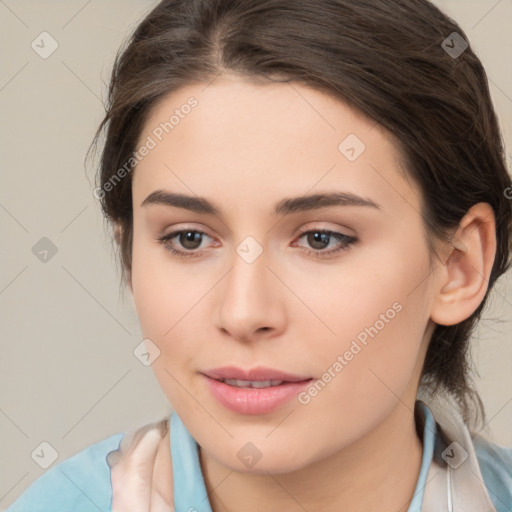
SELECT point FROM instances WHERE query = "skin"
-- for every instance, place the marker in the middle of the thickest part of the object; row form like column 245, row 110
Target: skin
column 354, row 446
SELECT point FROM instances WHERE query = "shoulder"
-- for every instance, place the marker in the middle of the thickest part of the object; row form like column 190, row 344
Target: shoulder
column 80, row 483
column 495, row 463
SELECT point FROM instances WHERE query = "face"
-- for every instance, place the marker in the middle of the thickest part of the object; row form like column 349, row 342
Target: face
column 338, row 292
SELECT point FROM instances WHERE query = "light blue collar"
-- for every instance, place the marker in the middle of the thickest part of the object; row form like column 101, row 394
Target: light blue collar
column 189, row 489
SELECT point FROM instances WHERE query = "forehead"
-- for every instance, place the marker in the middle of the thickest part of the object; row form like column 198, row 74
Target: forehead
column 236, row 135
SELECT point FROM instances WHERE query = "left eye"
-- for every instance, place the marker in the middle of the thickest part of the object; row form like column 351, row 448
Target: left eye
column 318, row 239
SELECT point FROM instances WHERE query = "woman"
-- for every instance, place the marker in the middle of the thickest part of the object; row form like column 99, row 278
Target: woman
column 311, row 204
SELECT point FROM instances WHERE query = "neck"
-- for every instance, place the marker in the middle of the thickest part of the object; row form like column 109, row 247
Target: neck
column 377, row 472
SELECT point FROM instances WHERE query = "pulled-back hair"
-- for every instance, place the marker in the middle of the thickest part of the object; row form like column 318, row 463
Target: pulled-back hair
column 385, row 58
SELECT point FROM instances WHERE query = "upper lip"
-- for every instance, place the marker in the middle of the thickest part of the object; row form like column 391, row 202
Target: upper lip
column 259, row 373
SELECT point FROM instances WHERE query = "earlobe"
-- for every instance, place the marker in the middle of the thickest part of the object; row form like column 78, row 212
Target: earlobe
column 464, row 279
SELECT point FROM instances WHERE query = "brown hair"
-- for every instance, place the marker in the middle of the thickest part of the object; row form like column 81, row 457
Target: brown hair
column 385, row 58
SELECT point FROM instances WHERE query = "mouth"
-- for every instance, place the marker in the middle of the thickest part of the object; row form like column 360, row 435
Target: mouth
column 259, row 376
column 254, row 395
column 252, row 383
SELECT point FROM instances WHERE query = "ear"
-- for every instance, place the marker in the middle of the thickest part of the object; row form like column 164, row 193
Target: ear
column 118, row 233
column 467, row 263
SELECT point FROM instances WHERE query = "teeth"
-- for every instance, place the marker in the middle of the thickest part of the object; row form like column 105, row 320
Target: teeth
column 252, row 383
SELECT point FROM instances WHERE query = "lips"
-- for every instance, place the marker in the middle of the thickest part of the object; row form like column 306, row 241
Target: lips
column 259, row 373
column 255, row 391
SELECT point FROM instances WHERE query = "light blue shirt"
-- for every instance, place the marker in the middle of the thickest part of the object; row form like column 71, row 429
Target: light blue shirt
column 82, row 482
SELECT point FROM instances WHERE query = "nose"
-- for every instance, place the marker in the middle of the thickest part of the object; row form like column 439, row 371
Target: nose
column 250, row 300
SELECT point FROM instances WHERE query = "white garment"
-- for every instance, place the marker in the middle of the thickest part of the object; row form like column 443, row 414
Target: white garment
column 457, row 486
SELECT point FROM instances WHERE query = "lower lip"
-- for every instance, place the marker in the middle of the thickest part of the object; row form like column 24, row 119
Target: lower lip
column 255, row 400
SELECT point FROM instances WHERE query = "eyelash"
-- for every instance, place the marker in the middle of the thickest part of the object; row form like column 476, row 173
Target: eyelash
column 347, row 240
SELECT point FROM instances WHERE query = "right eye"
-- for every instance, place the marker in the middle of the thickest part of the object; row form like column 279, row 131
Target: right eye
column 187, row 238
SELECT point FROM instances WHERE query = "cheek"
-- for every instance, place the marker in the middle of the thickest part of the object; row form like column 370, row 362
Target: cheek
column 160, row 290
column 170, row 299
column 164, row 299
column 365, row 285
column 372, row 311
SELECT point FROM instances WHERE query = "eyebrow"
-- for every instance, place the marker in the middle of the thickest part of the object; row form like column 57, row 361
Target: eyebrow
column 284, row 207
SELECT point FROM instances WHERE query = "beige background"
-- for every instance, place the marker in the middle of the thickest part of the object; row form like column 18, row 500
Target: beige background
column 67, row 371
